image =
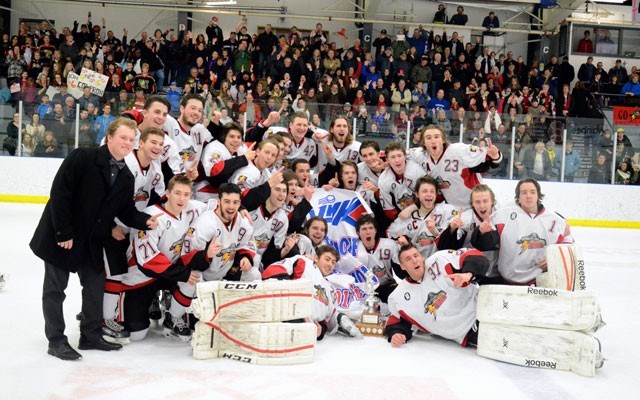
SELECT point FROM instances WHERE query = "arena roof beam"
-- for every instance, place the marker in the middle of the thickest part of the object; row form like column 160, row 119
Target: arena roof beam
column 555, row 16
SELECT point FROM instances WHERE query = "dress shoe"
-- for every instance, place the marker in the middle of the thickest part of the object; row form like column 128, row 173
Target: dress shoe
column 97, row 344
column 64, row 352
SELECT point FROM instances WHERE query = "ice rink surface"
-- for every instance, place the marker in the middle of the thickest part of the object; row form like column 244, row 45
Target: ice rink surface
column 425, row 368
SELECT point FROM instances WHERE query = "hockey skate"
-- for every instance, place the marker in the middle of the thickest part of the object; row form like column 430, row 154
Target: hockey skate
column 155, row 313
column 346, row 326
column 113, row 332
column 176, row 328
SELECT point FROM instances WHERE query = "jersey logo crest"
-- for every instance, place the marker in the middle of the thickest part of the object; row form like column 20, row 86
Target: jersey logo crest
column 227, row 254
column 321, row 295
column 405, row 201
column 188, row 154
column 442, row 184
column 531, row 242
column 434, row 302
column 176, row 247
column 262, row 241
column 425, row 239
column 214, row 158
column 142, row 234
column 141, row 195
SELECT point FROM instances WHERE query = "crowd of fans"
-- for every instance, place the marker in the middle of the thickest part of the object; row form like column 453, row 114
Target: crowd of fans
column 414, row 79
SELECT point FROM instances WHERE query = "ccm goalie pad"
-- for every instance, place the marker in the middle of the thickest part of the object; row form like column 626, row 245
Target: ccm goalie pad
column 256, row 343
column 542, row 348
column 258, row 301
column 565, row 268
column 539, row 307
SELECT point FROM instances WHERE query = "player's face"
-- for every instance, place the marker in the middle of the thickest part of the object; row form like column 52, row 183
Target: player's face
column 233, row 141
column 153, row 147
column 317, row 232
column 178, row 197
column 298, row 128
column 413, row 262
column 370, row 156
column 427, row 195
column 286, row 149
column 228, row 207
column 191, row 113
column 528, row 197
column 482, row 204
column 367, row 232
column 326, row 263
column 340, row 131
column 293, row 188
column 397, row 161
column 121, row 143
column 303, row 172
column 433, row 142
column 278, row 195
column 349, row 177
column 266, row 156
column 156, row 115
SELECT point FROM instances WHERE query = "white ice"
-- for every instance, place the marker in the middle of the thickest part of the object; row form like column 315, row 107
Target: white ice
column 425, row 368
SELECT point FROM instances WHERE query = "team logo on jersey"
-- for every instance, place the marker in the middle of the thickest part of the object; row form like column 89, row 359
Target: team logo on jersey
column 215, row 157
column 407, row 296
column 434, row 301
column 262, row 241
column 188, row 154
column 531, row 242
column 379, row 270
column 227, row 254
column 442, row 184
column 142, row 234
column 405, row 201
column 141, row 195
column 425, row 239
column 242, row 180
column 321, row 295
column 176, row 247
column 473, row 149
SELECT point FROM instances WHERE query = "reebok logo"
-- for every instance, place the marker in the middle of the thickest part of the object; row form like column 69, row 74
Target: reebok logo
column 540, row 364
column 542, row 292
column 581, row 278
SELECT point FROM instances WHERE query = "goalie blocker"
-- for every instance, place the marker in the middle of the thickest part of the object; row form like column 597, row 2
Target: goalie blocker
column 541, row 348
column 565, row 268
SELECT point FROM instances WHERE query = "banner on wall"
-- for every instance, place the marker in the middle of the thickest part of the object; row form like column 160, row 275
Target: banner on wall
column 629, row 116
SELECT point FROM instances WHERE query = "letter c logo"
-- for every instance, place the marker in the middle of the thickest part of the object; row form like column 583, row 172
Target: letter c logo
column 367, row 38
column 545, row 49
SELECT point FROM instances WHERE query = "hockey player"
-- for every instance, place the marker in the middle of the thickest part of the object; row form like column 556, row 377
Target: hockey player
column 220, row 159
column 316, row 270
column 156, row 262
column 522, row 232
column 149, row 184
column 378, row 254
column 296, row 207
column 369, row 171
column 457, row 166
column 257, row 171
column 397, row 182
column 220, row 243
column 437, row 297
column 458, row 233
column 340, row 142
column 424, row 225
column 313, row 235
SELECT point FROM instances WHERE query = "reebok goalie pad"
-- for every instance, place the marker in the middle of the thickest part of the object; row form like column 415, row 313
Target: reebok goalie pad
column 257, row 301
column 539, row 347
column 565, row 268
column 256, row 343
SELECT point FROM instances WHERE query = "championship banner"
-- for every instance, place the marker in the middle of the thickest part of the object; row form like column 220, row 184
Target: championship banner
column 341, row 209
column 73, row 89
column 635, row 14
column 629, row 116
column 97, row 82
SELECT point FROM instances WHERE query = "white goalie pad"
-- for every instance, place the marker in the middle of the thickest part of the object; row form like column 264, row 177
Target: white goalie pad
column 565, row 268
column 539, row 307
column 275, row 343
column 541, row 348
column 257, row 301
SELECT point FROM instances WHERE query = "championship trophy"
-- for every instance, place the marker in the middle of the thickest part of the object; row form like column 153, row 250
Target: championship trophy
column 371, row 323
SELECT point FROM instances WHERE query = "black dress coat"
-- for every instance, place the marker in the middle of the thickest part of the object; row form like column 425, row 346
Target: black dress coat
column 82, row 207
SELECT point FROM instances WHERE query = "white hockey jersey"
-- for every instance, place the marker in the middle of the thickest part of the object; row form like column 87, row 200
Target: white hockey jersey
column 435, row 305
column 305, row 246
column 350, row 152
column 169, row 155
column 470, row 221
column 455, row 181
column 396, row 192
column 270, row 227
column 213, row 157
column 236, row 238
column 365, row 174
column 415, row 227
column 379, row 259
column 300, row 267
column 306, row 149
column 523, row 239
column 190, row 143
column 157, row 249
column 250, row 176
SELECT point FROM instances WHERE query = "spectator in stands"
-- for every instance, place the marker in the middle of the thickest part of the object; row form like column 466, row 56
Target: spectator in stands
column 585, row 45
column 587, row 71
column 566, row 72
column 571, row 162
column 600, row 172
column 440, row 16
column 519, row 153
column 381, row 43
column 625, row 175
column 538, row 163
column 102, row 122
column 624, row 140
column 619, row 71
column 48, row 147
column 631, row 89
column 491, row 21
column 459, row 18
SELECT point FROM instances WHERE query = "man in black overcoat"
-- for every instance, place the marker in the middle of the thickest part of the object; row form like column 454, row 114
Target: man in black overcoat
column 91, row 188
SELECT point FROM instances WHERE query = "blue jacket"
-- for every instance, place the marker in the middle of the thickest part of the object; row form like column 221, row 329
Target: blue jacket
column 100, row 126
column 571, row 165
column 631, row 87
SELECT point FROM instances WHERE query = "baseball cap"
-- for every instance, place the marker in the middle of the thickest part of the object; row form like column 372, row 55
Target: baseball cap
column 620, row 130
column 384, row 31
column 347, row 104
column 173, row 83
column 426, row 58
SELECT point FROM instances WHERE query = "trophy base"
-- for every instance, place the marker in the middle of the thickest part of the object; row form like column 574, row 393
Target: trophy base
column 371, row 329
